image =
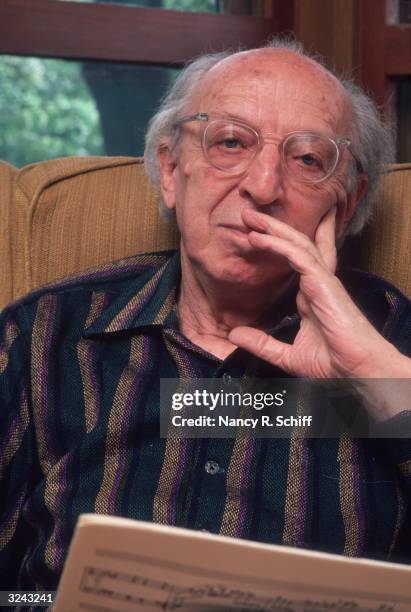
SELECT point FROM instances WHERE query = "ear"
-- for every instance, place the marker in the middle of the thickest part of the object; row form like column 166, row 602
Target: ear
column 167, row 166
column 345, row 212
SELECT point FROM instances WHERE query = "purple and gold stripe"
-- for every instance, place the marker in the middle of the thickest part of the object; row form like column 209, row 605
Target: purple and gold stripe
column 86, row 357
column 41, row 345
column 11, row 332
column 238, row 476
column 295, row 505
column 165, row 499
column 134, row 265
column 56, row 485
column 166, row 308
column 123, row 404
column 295, row 508
column 8, row 528
column 98, row 303
column 350, row 496
column 175, row 454
column 133, row 306
column 12, row 440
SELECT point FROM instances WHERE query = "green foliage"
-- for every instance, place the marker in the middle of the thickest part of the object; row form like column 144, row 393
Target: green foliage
column 205, row 6
column 46, row 111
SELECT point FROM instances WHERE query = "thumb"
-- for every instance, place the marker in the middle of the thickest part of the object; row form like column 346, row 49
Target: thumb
column 262, row 345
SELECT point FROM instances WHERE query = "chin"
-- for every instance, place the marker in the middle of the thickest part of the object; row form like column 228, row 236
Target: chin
column 252, row 272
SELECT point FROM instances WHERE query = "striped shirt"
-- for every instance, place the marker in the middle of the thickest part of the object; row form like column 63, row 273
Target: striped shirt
column 80, row 366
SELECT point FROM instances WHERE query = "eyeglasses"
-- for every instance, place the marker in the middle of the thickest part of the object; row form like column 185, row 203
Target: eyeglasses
column 231, row 146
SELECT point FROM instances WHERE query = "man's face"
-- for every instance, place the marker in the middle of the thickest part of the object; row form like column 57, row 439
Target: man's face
column 275, row 93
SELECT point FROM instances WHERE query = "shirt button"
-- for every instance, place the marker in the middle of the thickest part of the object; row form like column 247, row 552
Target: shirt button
column 226, row 378
column 212, row 467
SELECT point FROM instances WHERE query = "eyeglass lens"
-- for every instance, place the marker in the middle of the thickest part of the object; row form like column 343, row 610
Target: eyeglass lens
column 231, row 146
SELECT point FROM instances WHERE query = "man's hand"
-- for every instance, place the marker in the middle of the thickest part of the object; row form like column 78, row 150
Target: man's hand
column 335, row 339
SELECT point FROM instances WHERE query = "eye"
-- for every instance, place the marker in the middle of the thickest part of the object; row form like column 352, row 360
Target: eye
column 308, row 163
column 232, row 143
column 229, row 145
column 308, row 154
column 310, row 160
column 229, row 138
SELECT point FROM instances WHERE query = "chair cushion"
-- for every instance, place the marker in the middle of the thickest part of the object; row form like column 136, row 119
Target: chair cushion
column 78, row 212
column 8, row 226
column 386, row 243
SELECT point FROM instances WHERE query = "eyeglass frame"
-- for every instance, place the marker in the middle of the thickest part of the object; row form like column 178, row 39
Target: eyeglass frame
column 343, row 141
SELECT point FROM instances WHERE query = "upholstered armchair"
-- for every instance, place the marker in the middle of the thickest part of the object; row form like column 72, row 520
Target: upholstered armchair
column 65, row 215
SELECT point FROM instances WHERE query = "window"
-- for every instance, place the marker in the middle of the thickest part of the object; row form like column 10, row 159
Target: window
column 53, row 108
column 82, row 78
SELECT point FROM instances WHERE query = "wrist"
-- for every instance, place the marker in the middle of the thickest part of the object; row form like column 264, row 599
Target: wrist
column 384, row 362
column 384, row 383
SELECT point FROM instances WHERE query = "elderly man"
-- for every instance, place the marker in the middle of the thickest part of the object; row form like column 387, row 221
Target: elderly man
column 265, row 158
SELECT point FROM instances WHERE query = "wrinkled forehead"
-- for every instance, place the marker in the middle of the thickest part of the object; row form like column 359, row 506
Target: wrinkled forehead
column 270, row 79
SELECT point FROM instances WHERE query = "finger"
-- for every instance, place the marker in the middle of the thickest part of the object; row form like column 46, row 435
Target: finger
column 325, row 239
column 262, row 345
column 318, row 284
column 263, row 223
column 298, row 258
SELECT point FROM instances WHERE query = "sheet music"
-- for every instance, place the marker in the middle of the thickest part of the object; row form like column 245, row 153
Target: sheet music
column 151, row 568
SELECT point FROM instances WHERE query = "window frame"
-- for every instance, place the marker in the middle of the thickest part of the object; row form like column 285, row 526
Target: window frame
column 390, row 43
column 121, row 33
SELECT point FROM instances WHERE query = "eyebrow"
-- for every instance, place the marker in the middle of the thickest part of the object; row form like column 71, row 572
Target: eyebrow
column 227, row 115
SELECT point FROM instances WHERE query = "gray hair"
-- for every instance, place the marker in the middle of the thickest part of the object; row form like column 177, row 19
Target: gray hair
column 373, row 146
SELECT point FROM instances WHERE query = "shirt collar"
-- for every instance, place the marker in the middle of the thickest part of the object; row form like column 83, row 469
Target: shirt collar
column 149, row 298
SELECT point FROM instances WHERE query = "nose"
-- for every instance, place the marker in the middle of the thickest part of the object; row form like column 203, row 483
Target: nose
column 263, row 180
